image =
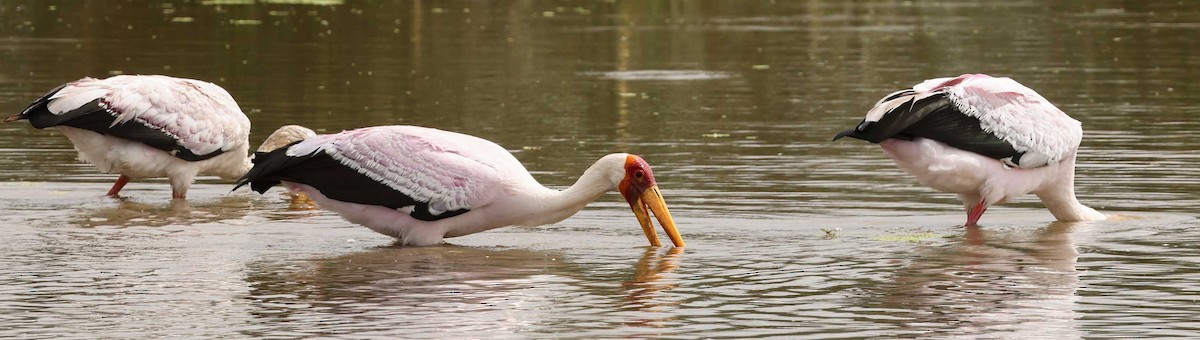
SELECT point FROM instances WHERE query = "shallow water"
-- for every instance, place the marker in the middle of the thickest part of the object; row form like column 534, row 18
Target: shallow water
column 733, row 103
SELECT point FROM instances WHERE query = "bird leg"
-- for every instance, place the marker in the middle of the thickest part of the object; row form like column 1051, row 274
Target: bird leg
column 179, row 188
column 976, row 213
column 179, row 193
column 180, row 183
column 116, row 188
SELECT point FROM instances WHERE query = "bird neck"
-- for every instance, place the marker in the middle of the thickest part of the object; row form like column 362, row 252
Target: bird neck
column 558, row 205
column 1059, row 196
column 284, row 136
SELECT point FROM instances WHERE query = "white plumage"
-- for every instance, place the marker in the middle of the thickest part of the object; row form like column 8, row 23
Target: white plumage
column 986, row 139
column 203, row 117
column 422, row 163
column 420, row 184
column 148, row 126
column 1012, row 112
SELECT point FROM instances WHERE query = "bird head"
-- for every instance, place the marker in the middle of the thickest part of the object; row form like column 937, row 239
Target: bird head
column 284, row 136
column 641, row 191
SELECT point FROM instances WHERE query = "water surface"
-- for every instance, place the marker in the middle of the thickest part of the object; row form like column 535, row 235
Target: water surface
column 733, row 103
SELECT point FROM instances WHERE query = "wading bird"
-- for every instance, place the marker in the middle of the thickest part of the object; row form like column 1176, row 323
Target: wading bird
column 421, row 184
column 986, row 139
column 148, row 126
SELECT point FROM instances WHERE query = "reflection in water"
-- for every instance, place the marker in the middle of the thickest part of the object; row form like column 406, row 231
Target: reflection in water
column 993, row 281
column 298, row 201
column 489, row 289
column 734, row 103
column 131, row 213
column 649, row 271
column 480, row 284
column 644, row 288
column 128, row 212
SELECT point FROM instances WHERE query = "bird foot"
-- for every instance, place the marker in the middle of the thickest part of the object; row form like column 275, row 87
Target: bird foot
column 116, row 188
column 976, row 213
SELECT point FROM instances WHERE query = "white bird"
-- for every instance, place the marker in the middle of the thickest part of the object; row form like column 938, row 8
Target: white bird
column 421, row 185
column 145, row 126
column 987, row 139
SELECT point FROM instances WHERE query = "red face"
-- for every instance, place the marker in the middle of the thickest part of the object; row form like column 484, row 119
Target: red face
column 638, row 178
column 641, row 191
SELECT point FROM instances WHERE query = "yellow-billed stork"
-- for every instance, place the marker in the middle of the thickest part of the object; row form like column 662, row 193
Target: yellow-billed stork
column 984, row 138
column 145, row 126
column 421, row 185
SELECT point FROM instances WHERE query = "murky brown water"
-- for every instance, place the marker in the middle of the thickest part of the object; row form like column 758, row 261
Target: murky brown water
column 732, row 102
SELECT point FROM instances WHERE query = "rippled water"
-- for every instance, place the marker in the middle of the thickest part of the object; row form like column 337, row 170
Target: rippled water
column 733, row 103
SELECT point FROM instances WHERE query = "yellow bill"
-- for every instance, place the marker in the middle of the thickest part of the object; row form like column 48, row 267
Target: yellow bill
column 652, row 201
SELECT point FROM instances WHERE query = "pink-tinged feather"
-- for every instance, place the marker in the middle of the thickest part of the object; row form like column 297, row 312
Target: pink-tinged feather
column 203, row 116
column 1005, row 108
column 199, row 116
column 1047, row 137
column 426, row 171
column 449, row 170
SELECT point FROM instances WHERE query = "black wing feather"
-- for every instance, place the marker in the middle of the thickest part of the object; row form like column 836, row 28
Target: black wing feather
column 332, row 179
column 94, row 117
column 934, row 117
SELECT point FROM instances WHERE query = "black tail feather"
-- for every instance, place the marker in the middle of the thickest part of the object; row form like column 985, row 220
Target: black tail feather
column 265, row 165
column 95, row 117
column 851, row 132
column 960, row 131
column 333, row 179
column 934, row 117
column 37, row 106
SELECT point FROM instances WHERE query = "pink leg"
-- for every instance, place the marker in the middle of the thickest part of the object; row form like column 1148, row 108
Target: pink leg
column 179, row 185
column 975, row 214
column 116, row 188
